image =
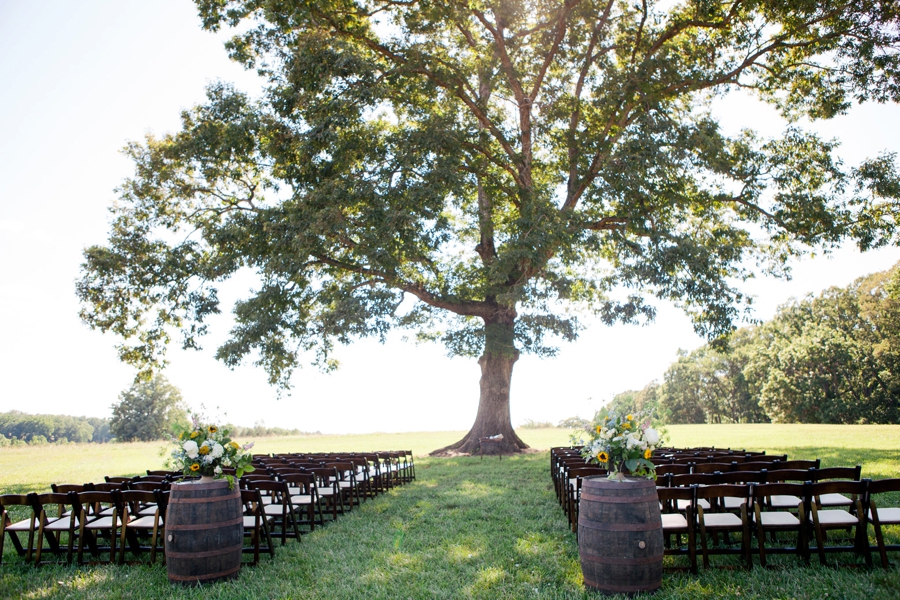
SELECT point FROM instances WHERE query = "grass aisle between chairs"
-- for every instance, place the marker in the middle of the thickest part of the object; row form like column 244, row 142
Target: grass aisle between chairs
column 466, row 528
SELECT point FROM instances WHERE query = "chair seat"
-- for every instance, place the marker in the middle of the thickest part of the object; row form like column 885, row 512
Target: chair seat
column 145, row 522
column 61, row 524
column 149, row 510
column 781, row 502
column 731, row 503
column 834, row 500
column 721, row 520
column 674, row 521
column 103, row 523
column 24, row 525
column 301, row 499
column 683, row 504
column 887, row 516
column 249, row 522
column 838, row 518
column 778, row 519
column 273, row 509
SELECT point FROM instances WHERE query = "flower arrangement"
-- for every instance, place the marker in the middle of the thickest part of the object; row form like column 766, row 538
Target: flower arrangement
column 623, row 443
column 206, row 449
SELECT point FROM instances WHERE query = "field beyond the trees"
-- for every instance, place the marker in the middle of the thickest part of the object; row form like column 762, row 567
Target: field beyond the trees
column 466, row 528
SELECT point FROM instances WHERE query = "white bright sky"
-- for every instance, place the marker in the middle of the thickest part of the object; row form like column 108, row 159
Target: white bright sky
column 79, row 79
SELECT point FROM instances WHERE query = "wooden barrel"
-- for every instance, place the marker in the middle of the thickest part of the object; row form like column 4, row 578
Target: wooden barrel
column 620, row 537
column 204, row 532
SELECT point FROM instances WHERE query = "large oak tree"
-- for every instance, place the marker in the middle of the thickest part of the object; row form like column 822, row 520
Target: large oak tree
column 480, row 171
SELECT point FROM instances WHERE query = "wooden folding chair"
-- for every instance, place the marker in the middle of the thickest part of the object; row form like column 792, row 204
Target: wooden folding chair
column 11, row 525
column 676, row 523
column 279, row 507
column 772, row 522
column 700, row 479
column 835, row 474
column 887, row 514
column 719, row 519
column 142, row 518
column 257, row 525
column 786, row 502
column 825, row 519
column 347, row 483
column 99, row 516
column 328, row 489
column 305, row 498
column 56, row 515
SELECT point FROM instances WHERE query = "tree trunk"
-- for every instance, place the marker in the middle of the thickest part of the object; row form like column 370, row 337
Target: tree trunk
column 493, row 416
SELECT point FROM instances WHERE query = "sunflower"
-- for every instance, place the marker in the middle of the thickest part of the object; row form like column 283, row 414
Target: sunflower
column 194, row 434
column 599, row 428
column 235, row 445
column 195, row 467
column 630, row 417
column 204, row 449
column 213, row 429
column 626, row 425
column 648, row 453
column 602, row 457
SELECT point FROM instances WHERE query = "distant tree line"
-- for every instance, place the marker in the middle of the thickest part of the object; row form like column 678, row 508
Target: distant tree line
column 260, row 430
column 146, row 411
column 832, row 358
column 19, row 427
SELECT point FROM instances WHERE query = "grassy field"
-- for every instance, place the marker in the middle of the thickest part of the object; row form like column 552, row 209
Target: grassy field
column 467, row 528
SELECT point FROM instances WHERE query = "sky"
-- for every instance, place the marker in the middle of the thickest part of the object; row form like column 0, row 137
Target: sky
column 80, row 79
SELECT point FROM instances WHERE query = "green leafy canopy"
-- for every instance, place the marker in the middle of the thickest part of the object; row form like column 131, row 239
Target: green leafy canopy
column 479, row 172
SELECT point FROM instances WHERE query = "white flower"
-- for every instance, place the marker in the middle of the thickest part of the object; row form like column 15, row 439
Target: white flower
column 191, row 448
column 217, row 450
column 217, row 470
column 652, row 436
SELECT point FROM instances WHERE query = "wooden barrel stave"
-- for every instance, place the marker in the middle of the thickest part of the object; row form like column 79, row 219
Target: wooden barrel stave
column 620, row 538
column 204, row 533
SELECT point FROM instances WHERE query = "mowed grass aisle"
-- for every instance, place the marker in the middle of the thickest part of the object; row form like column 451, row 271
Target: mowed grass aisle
column 470, row 528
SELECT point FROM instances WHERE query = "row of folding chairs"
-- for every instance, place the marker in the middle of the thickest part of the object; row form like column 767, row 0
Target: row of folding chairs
column 702, row 515
column 382, row 470
column 102, row 523
column 286, row 494
column 808, row 472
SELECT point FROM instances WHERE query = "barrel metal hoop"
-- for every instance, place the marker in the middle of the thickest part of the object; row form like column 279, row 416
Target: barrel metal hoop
column 201, row 526
column 614, row 560
column 619, row 589
column 620, row 499
column 204, row 577
column 203, row 500
column 618, row 526
column 206, row 554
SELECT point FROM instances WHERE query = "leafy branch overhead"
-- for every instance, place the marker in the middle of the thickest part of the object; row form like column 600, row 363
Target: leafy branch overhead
column 479, row 172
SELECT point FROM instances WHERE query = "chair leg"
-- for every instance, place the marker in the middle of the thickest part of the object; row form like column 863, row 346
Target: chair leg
column 879, row 539
column 703, row 543
column 761, row 537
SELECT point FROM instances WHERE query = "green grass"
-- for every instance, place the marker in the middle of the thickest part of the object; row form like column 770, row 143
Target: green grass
column 467, row 528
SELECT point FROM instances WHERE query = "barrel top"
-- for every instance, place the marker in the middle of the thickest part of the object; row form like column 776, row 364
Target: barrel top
column 602, row 484
column 215, row 489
